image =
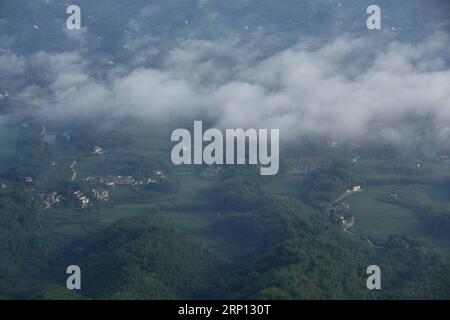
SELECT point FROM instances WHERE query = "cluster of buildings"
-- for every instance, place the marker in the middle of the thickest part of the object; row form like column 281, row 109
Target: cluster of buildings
column 101, row 194
column 51, row 199
column 28, row 179
column 83, row 200
column 338, row 212
column 113, row 181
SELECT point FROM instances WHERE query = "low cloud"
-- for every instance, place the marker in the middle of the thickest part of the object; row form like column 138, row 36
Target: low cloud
column 11, row 64
column 348, row 88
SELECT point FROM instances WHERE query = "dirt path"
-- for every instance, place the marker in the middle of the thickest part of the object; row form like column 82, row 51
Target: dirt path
column 345, row 195
column 348, row 225
column 74, row 172
column 371, row 243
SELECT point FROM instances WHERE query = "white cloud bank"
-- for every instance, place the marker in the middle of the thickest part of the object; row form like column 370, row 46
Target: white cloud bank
column 345, row 89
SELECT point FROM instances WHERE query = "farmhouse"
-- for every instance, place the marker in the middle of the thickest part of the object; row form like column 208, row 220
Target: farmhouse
column 338, row 212
column 159, row 174
column 101, row 194
column 50, row 199
column 83, row 200
column 354, row 189
column 99, row 150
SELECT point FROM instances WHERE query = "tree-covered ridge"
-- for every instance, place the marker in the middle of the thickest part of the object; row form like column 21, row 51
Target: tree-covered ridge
column 24, row 250
column 305, row 258
column 142, row 258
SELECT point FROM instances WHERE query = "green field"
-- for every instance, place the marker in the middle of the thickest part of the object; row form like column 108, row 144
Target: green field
column 374, row 218
column 379, row 219
column 67, row 224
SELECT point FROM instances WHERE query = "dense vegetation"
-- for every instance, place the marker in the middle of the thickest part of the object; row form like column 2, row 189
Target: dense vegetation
column 327, row 184
column 142, row 258
column 286, row 252
column 24, row 250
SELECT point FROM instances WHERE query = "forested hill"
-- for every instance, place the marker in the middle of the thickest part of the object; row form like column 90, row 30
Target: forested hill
column 285, row 253
column 24, row 249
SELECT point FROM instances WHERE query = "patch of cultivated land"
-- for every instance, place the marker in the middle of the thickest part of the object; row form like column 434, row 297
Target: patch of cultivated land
column 379, row 219
column 67, row 224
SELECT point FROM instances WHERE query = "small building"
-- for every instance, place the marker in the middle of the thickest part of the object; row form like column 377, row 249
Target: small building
column 93, row 179
column 101, row 194
column 393, row 196
column 28, row 179
column 51, row 199
column 354, row 189
column 83, row 200
column 110, row 183
column 99, row 150
column 159, row 174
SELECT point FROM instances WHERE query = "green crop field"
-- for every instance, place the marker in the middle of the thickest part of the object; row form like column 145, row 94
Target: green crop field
column 67, row 224
column 379, row 219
